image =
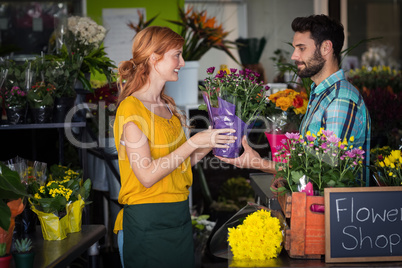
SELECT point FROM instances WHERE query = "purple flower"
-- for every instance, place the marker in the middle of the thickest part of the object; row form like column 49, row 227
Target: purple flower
column 292, row 136
column 350, row 154
column 267, row 87
column 278, row 147
column 210, row 70
column 233, row 70
column 310, row 138
column 333, row 139
column 327, row 132
column 220, row 74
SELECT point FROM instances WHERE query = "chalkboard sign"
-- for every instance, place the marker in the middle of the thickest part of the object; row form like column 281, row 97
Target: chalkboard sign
column 363, row 224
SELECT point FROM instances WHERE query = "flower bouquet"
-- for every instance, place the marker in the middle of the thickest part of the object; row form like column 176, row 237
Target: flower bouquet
column 387, row 166
column 253, row 237
column 233, row 100
column 60, row 201
column 321, row 159
column 284, row 113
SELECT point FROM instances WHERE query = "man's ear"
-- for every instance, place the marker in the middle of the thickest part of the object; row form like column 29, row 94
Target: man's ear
column 326, row 48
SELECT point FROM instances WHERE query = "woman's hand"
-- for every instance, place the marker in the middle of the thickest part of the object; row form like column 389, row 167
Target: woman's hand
column 213, row 138
column 250, row 159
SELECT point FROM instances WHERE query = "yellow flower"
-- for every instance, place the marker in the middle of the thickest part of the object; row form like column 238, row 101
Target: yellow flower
column 258, row 238
column 352, row 139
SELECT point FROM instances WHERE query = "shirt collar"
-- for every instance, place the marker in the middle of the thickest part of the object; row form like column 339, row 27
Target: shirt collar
column 332, row 79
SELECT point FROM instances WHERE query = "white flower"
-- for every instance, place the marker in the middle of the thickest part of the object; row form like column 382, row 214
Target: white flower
column 87, row 33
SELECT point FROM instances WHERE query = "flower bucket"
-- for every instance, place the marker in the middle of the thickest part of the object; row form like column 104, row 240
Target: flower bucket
column 42, row 115
column 16, row 115
column 275, row 140
column 54, row 228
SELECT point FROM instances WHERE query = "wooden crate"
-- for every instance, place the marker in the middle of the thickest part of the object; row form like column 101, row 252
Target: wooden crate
column 305, row 236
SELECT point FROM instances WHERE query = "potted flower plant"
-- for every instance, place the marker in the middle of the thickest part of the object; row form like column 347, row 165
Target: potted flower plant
column 41, row 99
column 233, row 100
column 23, row 254
column 60, row 201
column 15, row 101
column 321, row 158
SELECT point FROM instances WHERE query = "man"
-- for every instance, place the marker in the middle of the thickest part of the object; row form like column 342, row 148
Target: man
column 334, row 103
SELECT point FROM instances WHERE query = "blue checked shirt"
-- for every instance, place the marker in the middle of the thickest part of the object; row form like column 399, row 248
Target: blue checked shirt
column 336, row 105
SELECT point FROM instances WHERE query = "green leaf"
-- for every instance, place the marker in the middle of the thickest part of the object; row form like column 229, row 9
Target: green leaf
column 5, row 215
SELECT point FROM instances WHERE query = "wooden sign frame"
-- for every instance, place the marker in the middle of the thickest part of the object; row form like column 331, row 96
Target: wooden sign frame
column 327, row 193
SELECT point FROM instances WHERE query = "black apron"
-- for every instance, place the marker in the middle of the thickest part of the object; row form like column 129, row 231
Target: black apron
column 158, row 235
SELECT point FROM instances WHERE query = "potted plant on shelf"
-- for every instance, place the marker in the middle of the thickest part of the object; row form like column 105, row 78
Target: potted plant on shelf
column 62, row 73
column 23, row 255
column 41, row 99
column 15, row 101
column 11, row 193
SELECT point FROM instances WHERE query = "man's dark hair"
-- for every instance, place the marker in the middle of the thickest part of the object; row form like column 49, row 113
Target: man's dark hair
column 322, row 28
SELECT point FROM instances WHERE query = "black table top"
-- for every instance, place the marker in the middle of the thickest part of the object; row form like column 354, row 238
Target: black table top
column 60, row 253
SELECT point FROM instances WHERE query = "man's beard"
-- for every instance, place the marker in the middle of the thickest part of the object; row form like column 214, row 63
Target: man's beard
column 312, row 67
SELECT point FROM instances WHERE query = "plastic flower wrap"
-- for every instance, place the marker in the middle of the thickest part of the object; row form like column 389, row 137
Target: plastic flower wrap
column 233, row 100
column 321, row 158
column 258, row 238
column 388, row 165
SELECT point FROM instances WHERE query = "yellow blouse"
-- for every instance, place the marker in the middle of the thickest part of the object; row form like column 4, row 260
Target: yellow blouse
column 164, row 136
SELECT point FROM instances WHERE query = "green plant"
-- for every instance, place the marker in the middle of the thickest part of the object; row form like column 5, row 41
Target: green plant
column 23, row 245
column 200, row 34
column 41, row 94
column 61, row 72
column 11, row 188
column 240, row 89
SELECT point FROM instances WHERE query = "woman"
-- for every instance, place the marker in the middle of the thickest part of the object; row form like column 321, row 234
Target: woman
column 155, row 158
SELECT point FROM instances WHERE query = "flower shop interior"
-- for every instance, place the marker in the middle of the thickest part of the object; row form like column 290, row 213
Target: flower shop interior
column 59, row 164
